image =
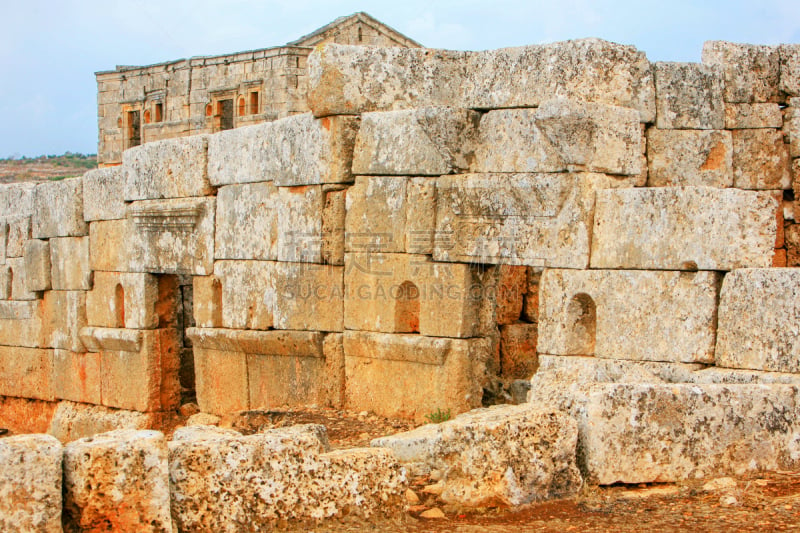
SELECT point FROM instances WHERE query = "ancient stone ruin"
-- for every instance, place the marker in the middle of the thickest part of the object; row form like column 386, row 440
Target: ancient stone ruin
column 440, row 230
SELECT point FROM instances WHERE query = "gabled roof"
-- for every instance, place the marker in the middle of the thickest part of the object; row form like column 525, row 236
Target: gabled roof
column 317, row 36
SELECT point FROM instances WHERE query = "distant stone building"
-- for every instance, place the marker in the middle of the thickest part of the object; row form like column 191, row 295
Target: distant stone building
column 138, row 104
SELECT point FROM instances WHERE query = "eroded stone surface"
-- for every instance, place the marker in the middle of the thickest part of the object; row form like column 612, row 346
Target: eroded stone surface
column 69, row 263
column 760, row 160
column 509, row 455
column 72, row 421
column 172, row 168
column 689, row 157
column 36, row 258
column 759, row 320
column 118, row 481
column 689, row 96
column 751, row 71
column 752, row 116
column 560, row 135
column 610, row 314
column 247, row 222
column 518, row 219
column 674, row 229
column 427, row 141
column 104, row 191
column 30, row 484
column 790, row 69
column 58, row 210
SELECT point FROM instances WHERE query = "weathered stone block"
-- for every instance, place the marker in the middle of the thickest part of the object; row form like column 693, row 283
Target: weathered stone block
column 299, row 222
column 308, row 151
column 243, row 294
column 306, row 296
column 753, row 116
column 560, row 135
column 711, row 430
column 207, row 305
column 171, row 168
column 253, row 481
column 5, row 282
column 555, row 371
column 73, row 421
column 509, row 292
column 689, row 158
column 413, row 375
column 69, row 263
column 99, row 339
column 26, row 372
column 172, row 236
column 790, row 69
column 674, row 229
column 240, row 155
column 104, row 194
column 123, row 300
column 404, row 293
column 58, row 210
column 30, row 484
column 247, row 222
column 19, row 284
column 689, row 96
column 484, row 218
column 118, row 481
column 333, row 385
column 76, row 376
column 791, row 127
column 353, row 79
column 509, row 455
column 19, row 231
column 427, row 141
column 751, row 72
column 36, row 258
column 16, row 199
column 793, row 245
column 758, row 320
column 63, row 317
column 760, row 160
column 145, row 379
column 109, row 245
column 584, row 69
column 611, row 314
column 241, row 369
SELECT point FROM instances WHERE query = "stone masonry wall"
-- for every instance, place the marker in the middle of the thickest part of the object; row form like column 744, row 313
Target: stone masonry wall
column 439, row 225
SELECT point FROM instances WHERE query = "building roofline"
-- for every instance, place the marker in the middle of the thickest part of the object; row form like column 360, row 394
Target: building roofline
column 361, row 15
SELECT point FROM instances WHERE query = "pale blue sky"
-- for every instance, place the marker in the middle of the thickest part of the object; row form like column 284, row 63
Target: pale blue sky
column 49, row 50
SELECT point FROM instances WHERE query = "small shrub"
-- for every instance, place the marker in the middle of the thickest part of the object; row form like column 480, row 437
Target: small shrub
column 439, row 416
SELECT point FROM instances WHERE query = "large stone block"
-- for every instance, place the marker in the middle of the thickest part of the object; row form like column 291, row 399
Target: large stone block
column 509, row 455
column 685, row 228
column 390, row 214
column 26, row 372
column 591, row 70
column 16, row 199
column 760, row 160
column 76, row 376
column 791, row 127
column 638, row 315
column 252, row 482
column 207, row 301
column 753, row 116
column 644, row 433
column 30, row 484
column 118, row 481
column 240, row 155
column 19, row 284
column 36, row 258
column 240, row 369
column 19, row 231
column 243, row 287
column 63, row 316
column 299, row 214
column 58, row 210
column 171, row 168
column 679, row 158
column 689, row 96
column 405, row 293
column 139, row 368
column 353, row 79
column 123, row 300
column 751, row 72
column 759, row 320
column 104, row 194
column 306, row 296
column 573, row 372
column 560, row 135
column 790, row 69
column 309, row 151
column 109, row 245
column 247, row 222
column 69, row 263
column 517, row 219
column 172, row 236
column 427, row 141
column 413, row 375
column 73, row 421
column 356, row 79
